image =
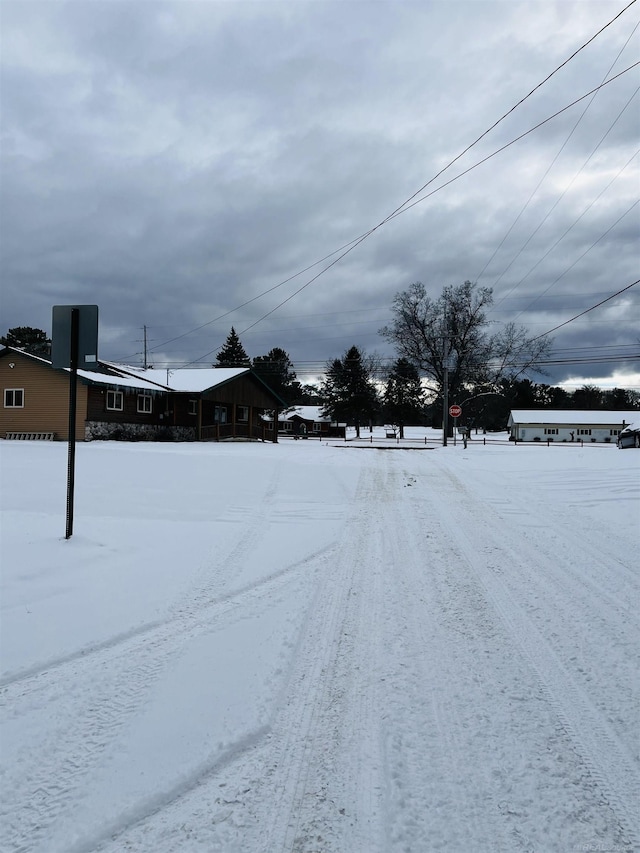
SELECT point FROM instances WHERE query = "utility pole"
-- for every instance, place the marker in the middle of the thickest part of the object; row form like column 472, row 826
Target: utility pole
column 145, row 347
column 445, row 381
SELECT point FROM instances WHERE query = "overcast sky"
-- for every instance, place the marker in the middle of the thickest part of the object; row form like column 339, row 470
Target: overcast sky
column 176, row 162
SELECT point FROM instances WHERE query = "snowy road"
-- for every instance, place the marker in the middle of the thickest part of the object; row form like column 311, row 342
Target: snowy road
column 368, row 652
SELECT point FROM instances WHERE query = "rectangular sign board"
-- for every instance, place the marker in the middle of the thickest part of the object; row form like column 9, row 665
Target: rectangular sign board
column 87, row 336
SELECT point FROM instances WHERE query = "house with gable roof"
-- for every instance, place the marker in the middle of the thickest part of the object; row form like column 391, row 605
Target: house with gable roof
column 309, row 421
column 114, row 401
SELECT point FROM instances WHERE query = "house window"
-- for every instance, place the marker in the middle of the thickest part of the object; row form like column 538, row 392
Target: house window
column 115, row 401
column 584, row 432
column 551, row 431
column 192, row 407
column 614, row 432
column 220, row 414
column 317, row 427
column 144, row 404
column 288, row 426
column 14, row 398
column 242, row 413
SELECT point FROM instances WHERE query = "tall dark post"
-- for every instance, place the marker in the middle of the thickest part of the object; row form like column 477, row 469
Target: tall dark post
column 73, row 393
column 445, row 382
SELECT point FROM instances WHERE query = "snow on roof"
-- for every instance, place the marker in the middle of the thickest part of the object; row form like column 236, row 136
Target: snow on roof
column 119, row 381
column 309, row 413
column 21, row 351
column 187, row 379
column 571, row 416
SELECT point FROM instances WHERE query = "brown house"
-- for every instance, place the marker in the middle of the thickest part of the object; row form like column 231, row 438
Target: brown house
column 304, row 421
column 117, row 402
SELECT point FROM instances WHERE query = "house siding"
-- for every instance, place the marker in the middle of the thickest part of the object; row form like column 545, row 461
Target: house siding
column 97, row 407
column 46, row 398
column 578, row 426
column 243, row 391
column 46, row 395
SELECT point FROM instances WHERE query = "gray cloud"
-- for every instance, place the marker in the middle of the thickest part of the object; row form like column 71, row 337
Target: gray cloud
column 171, row 161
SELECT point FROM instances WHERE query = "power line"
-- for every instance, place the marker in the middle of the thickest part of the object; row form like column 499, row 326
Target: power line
column 406, row 204
column 406, row 207
column 553, row 162
column 561, row 238
column 593, row 307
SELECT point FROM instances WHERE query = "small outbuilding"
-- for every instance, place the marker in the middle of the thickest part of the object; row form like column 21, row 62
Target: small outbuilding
column 568, row 425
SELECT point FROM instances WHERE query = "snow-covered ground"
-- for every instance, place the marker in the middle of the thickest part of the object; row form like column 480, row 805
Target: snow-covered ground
column 319, row 648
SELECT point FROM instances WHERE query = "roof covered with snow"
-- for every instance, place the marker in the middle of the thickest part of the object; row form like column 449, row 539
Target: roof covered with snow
column 309, row 413
column 118, row 381
column 186, row 379
column 573, row 417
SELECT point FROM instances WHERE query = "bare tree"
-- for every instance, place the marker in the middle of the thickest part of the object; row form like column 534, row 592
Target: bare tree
column 450, row 334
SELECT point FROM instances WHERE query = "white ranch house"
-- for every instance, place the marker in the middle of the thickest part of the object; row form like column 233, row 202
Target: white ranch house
column 568, row 425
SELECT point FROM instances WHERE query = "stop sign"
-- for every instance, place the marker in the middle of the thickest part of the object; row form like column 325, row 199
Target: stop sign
column 455, row 411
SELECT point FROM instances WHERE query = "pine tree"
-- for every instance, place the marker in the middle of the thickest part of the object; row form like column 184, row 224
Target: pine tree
column 31, row 340
column 276, row 370
column 349, row 393
column 232, row 353
column 404, row 398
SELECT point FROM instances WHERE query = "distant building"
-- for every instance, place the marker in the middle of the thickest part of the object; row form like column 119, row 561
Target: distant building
column 568, row 425
column 303, row 421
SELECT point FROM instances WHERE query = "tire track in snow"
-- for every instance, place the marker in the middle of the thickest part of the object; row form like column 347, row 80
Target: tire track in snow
column 319, row 750
column 606, row 760
column 80, row 723
column 319, row 799
column 22, row 684
column 197, row 598
column 561, row 534
column 438, row 792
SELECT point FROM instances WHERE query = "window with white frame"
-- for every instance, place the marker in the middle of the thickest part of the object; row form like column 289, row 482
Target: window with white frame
column 242, row 413
column 145, row 404
column 220, row 414
column 115, row 401
column 288, row 426
column 14, row 398
column 614, row 432
column 551, row 431
column 193, row 407
column 584, row 432
column 317, row 427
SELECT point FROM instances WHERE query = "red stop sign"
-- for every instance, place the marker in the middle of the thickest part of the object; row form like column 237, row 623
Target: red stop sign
column 455, row 411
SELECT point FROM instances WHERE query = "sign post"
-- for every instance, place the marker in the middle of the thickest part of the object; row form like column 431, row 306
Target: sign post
column 74, row 340
column 73, row 396
column 455, row 411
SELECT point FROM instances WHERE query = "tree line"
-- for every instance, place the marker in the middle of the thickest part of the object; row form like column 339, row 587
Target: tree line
column 445, row 350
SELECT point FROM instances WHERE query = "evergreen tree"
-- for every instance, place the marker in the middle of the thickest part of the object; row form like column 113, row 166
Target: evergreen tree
column 276, row 370
column 305, row 395
column 404, row 397
column 232, row 353
column 33, row 341
column 348, row 390
column 587, row 397
column 617, row 399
